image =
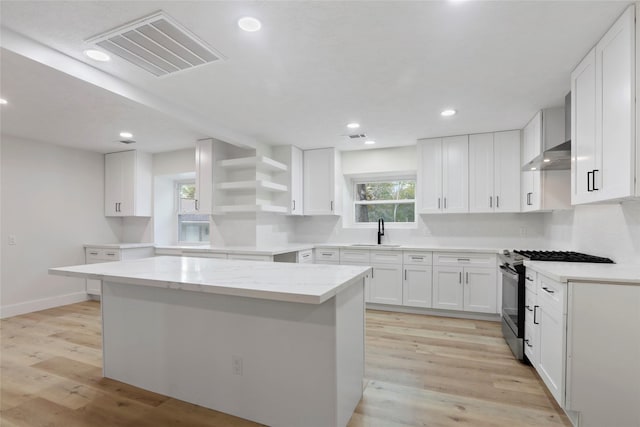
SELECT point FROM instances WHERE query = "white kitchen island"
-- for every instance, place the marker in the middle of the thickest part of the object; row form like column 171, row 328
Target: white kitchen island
column 279, row 344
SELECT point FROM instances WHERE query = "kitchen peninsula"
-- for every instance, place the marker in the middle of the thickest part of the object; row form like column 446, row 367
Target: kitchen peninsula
column 280, row 344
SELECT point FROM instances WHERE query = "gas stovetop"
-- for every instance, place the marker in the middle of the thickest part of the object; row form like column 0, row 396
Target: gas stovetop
column 561, row 256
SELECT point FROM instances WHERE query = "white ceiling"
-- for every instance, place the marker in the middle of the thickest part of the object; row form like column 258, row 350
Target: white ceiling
column 315, row 66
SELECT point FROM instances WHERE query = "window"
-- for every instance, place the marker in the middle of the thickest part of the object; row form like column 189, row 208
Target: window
column 391, row 200
column 192, row 227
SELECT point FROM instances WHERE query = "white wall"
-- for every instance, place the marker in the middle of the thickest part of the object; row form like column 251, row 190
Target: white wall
column 384, row 160
column 611, row 230
column 53, row 203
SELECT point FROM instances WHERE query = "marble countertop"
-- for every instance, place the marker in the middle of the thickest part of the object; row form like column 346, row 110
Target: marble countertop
column 253, row 250
column 303, row 283
column 586, row 272
column 119, row 245
column 408, row 247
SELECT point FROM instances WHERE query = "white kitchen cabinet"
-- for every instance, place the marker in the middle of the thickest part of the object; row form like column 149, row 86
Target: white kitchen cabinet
column 545, row 191
column 322, row 182
column 350, row 256
column 531, row 320
column 326, row 256
column 417, row 286
column 293, row 179
column 443, row 175
column 604, row 164
column 552, row 336
column 305, row 256
column 447, row 288
column 204, row 176
column 98, row 254
column 127, row 188
column 465, row 281
column 386, row 284
column 494, row 172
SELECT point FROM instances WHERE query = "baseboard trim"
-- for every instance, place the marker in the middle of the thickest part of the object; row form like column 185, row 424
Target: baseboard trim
column 493, row 317
column 41, row 304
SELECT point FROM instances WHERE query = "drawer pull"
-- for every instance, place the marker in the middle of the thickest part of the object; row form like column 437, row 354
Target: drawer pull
column 548, row 290
column 111, row 254
column 528, row 308
column 527, row 343
column 327, row 254
column 305, row 256
column 464, row 259
column 93, row 253
column 417, row 258
column 529, row 279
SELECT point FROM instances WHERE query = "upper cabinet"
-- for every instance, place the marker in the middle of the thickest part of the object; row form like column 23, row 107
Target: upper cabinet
column 322, row 182
column 292, row 199
column 127, row 189
column 204, row 176
column 494, row 172
column 443, row 175
column 603, row 139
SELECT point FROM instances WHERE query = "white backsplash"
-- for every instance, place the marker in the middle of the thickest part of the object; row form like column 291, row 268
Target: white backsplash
column 611, row 230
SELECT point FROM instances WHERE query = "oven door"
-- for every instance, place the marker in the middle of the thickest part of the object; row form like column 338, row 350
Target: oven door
column 510, row 299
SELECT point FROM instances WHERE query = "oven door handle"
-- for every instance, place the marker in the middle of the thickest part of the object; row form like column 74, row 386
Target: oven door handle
column 509, row 272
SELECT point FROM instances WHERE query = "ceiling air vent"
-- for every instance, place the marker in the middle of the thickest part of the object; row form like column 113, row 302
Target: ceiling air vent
column 128, row 141
column 356, row 136
column 157, row 44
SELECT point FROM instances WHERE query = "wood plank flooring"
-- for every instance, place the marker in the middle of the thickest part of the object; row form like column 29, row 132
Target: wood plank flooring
column 421, row 371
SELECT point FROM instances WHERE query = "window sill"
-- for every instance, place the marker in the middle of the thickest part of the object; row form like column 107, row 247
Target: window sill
column 387, row 226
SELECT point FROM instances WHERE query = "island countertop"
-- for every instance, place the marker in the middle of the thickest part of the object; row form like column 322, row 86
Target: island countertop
column 587, row 272
column 302, row 283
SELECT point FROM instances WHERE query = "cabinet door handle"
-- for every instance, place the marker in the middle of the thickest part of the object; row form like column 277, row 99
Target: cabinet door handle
column 332, row 206
column 593, row 178
column 445, row 203
column 405, row 274
column 294, row 205
column 196, row 204
column 535, row 307
column 589, row 181
column 467, row 278
column 438, row 202
column 497, row 201
column 460, row 278
column 490, row 201
column 548, row 290
column 93, row 253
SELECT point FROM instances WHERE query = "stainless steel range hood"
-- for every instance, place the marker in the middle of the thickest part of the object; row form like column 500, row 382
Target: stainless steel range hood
column 555, row 157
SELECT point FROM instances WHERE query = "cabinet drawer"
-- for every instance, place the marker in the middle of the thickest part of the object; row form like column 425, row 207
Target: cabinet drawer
column 327, row 254
column 93, row 255
column 530, row 281
column 551, row 295
column 530, row 343
column 529, row 304
column 216, row 255
column 464, row 259
column 305, row 257
column 249, row 257
column 386, row 257
column 354, row 255
column 417, row 258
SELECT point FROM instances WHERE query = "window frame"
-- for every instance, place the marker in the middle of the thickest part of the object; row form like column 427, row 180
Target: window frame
column 364, row 179
column 178, row 212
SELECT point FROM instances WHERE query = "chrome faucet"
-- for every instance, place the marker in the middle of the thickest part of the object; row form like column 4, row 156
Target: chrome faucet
column 380, row 230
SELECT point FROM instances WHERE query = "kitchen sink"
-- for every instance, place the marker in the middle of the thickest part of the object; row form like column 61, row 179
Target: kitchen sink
column 368, row 245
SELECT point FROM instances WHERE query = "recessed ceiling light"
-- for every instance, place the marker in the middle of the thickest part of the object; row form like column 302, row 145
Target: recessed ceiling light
column 97, row 55
column 447, row 113
column 370, row 142
column 533, row 169
column 126, row 135
column 249, row 24
column 546, row 160
column 353, row 125
column 3, row 101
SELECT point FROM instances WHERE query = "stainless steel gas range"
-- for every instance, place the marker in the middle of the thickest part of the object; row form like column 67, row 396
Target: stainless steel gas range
column 514, row 277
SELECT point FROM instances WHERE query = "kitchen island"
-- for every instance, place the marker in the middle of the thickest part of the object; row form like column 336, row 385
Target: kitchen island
column 279, row 344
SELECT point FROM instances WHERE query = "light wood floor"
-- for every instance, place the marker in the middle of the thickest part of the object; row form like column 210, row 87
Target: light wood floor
column 422, row 371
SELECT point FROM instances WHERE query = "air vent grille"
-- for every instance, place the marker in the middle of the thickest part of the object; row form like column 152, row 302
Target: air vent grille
column 157, row 44
column 357, row 136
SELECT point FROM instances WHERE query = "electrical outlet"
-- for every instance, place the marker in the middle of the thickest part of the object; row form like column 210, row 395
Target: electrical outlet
column 12, row 239
column 236, row 365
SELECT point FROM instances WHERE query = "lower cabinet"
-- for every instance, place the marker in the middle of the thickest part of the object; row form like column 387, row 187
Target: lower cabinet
column 417, row 286
column 94, row 255
column 386, row 284
column 465, row 288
